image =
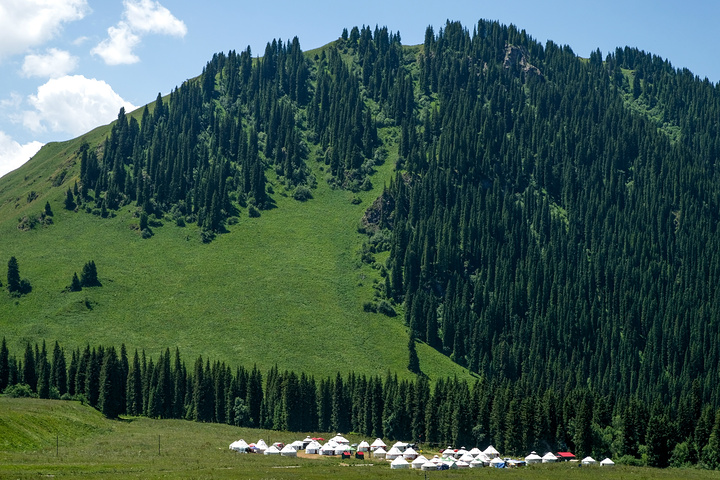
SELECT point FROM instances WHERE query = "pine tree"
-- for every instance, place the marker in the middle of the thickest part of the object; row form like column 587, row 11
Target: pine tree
column 29, row 373
column 4, row 365
column 413, row 360
column 89, row 276
column 13, row 276
column 110, row 397
column 75, row 285
column 69, row 200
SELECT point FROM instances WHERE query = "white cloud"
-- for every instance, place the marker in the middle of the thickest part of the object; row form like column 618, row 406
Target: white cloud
column 140, row 17
column 13, row 155
column 28, row 23
column 54, row 64
column 117, row 49
column 73, row 104
column 148, row 16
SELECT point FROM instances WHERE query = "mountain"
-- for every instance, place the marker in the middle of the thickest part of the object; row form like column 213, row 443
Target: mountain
column 547, row 222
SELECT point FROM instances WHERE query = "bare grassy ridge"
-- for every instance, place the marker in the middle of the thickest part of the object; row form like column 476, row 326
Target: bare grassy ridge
column 91, row 447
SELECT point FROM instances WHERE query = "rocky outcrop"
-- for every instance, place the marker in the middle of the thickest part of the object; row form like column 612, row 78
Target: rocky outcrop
column 516, row 58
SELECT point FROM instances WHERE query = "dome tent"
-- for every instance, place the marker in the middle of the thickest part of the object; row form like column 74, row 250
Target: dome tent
column 377, row 444
column 240, row 446
column 588, row 461
column 418, row 462
column 313, row 448
column 410, row 454
column 607, row 463
column 533, row 458
column 363, row 446
column 272, row 450
column 549, row 458
column 398, row 463
column 379, row 452
column 491, row 452
column 288, row 451
column 393, row 453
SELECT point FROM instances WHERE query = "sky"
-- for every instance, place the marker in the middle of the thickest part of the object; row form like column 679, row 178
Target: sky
column 67, row 66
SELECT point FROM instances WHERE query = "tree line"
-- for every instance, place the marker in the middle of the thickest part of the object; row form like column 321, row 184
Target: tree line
column 514, row 416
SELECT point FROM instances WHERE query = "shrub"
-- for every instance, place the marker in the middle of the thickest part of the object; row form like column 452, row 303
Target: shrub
column 302, row 193
column 385, row 308
column 21, row 390
column 370, row 307
column 253, row 211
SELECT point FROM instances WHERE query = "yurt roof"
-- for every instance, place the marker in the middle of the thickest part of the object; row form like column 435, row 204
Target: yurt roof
column 490, row 450
column 378, row 443
column 549, row 456
column 607, row 461
column 272, row 450
column 467, row 458
column 394, row 451
column 475, row 451
column 419, row 460
column 340, row 439
column 261, row 444
column 533, row 456
column 410, row 451
column 363, row 444
column 380, row 450
column 399, row 461
column 588, row 459
column 497, row 460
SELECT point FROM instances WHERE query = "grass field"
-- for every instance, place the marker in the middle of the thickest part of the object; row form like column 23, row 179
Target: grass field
column 286, row 288
column 45, row 438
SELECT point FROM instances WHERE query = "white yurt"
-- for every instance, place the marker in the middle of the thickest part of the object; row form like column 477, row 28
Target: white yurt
column 491, row 452
column 410, row 454
column 377, row 444
column 461, row 464
column 261, row 445
column 327, row 449
column 272, row 450
column 483, row 458
column 288, row 451
column 240, row 446
column 340, row 439
column 588, row 461
column 497, row 462
column 363, row 446
column 298, row 445
column 393, row 453
column 467, row 458
column 549, row 458
column 450, row 462
column 448, row 452
column 475, row 452
column 418, row 462
column 307, row 441
column 313, row 448
column 400, row 446
column 398, row 463
column 607, row 463
column 533, row 458
column 429, row 466
column 436, row 460
column 379, row 452
column 342, row 448
column 477, row 463
column 461, row 451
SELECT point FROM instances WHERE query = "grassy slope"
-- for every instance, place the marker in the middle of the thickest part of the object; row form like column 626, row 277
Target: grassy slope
column 286, row 288
column 93, row 447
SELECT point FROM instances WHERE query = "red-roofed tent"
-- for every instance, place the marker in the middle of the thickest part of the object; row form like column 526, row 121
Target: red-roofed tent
column 565, row 456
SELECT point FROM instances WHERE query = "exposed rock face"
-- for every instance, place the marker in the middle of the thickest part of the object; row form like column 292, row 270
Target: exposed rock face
column 516, row 59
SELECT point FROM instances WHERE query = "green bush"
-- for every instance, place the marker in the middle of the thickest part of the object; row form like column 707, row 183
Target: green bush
column 21, row 390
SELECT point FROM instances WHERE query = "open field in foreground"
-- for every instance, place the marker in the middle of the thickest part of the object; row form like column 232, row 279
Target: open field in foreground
column 44, row 438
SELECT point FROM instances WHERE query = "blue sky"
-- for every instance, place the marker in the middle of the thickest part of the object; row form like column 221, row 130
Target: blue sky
column 67, row 66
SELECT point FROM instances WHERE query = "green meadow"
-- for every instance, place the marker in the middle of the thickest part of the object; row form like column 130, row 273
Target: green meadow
column 59, row 439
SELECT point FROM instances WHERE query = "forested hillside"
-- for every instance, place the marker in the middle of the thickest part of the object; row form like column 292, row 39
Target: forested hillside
column 550, row 222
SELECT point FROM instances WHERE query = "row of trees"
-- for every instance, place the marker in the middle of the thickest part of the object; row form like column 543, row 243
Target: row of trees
column 514, row 416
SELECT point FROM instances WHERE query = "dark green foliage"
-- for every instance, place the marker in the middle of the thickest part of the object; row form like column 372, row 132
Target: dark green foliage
column 69, row 200
column 302, row 193
column 413, row 360
column 13, row 276
column 89, row 276
column 48, row 210
column 75, row 284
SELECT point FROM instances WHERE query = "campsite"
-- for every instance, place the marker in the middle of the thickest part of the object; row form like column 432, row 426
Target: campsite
column 67, row 439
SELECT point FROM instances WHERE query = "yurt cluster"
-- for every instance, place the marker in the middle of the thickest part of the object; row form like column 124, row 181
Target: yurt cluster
column 403, row 456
